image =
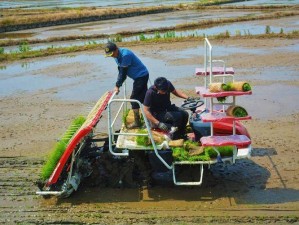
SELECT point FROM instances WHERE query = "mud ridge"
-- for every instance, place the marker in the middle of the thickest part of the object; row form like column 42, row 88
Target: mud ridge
column 10, row 28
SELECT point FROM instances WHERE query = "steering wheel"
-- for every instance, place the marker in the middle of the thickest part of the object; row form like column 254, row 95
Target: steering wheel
column 192, row 104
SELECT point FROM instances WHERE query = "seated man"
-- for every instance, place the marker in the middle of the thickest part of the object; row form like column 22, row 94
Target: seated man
column 159, row 110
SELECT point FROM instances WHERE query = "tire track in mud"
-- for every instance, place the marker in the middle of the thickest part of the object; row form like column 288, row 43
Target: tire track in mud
column 20, row 204
column 16, row 188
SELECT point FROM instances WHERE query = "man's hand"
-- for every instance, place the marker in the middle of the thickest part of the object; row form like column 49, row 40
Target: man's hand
column 163, row 126
column 116, row 90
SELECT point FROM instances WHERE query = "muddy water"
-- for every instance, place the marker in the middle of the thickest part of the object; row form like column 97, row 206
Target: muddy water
column 90, row 3
column 243, row 28
column 92, row 74
column 115, row 3
column 125, row 24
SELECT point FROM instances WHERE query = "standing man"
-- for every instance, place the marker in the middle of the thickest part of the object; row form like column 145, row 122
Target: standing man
column 129, row 65
column 159, row 110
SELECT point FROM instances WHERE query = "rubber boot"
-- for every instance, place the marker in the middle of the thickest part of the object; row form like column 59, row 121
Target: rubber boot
column 137, row 122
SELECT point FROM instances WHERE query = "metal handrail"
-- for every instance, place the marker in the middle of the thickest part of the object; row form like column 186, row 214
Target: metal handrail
column 111, row 133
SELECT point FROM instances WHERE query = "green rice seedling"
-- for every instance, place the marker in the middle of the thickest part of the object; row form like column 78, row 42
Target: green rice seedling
column 238, row 111
column 225, row 87
column 52, row 160
column 142, row 140
column 223, row 150
column 221, row 99
column 142, row 37
column 246, row 87
column 182, row 153
column 157, row 35
column 118, row 38
column 227, row 34
column 179, row 154
column 247, row 33
column 169, row 34
column 59, row 148
column 229, row 86
column 268, row 29
column 281, row 31
column 189, row 144
column 124, row 117
column 1, row 50
column 24, row 47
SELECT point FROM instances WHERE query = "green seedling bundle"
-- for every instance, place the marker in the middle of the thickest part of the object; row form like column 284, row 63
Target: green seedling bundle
column 142, row 140
column 238, row 86
column 183, row 154
column 59, row 148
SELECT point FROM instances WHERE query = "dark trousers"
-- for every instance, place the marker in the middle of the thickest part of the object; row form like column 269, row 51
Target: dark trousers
column 176, row 117
column 139, row 91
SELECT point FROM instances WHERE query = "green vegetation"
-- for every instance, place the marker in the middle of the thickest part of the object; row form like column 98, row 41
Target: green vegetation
column 238, row 33
column 268, row 30
column 60, row 147
column 221, row 99
column 124, row 117
column 142, row 37
column 57, row 16
column 117, row 38
column 143, row 140
column 246, row 87
column 24, row 47
column 170, row 31
column 239, row 112
column 170, row 37
column 183, row 154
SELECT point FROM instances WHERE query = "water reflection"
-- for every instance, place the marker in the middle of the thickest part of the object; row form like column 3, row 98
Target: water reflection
column 120, row 4
column 235, row 29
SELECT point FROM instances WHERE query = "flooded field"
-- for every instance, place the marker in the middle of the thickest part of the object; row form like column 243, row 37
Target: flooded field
column 116, row 3
column 71, row 75
column 132, row 24
column 111, row 27
column 39, row 97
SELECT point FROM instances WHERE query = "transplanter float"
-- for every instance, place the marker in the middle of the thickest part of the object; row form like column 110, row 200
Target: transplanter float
column 134, row 157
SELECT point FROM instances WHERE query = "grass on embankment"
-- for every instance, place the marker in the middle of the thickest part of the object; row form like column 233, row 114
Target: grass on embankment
column 179, row 27
column 64, row 50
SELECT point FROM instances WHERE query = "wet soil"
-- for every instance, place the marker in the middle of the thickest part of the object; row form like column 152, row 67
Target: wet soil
column 260, row 190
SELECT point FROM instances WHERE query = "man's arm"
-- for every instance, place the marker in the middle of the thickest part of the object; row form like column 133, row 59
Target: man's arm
column 122, row 75
column 149, row 115
column 179, row 94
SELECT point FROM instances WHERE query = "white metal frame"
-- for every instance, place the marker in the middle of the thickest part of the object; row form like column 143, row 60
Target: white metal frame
column 112, row 133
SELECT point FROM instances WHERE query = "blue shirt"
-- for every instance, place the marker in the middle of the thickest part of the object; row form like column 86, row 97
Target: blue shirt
column 135, row 68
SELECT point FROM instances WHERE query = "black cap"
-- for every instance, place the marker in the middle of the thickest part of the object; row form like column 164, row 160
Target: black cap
column 110, row 48
column 161, row 84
